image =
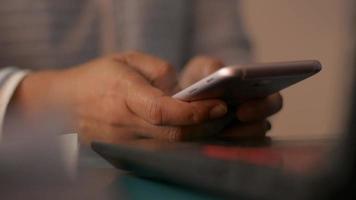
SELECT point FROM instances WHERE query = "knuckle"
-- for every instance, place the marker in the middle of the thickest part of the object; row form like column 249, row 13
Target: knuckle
column 155, row 115
column 132, row 53
column 118, row 57
column 210, row 64
column 125, row 57
column 164, row 69
column 216, row 63
column 209, row 69
column 133, row 56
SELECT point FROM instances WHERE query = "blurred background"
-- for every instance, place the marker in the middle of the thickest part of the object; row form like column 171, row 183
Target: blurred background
column 279, row 30
column 318, row 29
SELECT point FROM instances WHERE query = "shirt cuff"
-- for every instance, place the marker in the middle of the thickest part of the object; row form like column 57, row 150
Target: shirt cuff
column 9, row 80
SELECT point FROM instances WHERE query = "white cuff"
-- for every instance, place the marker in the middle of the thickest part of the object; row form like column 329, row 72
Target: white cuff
column 9, row 80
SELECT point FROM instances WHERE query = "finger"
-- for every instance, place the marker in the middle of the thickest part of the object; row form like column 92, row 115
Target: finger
column 182, row 133
column 247, row 130
column 260, row 109
column 198, row 68
column 151, row 104
column 159, row 72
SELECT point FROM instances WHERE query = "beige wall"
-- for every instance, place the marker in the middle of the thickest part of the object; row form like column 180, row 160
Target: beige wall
column 306, row 29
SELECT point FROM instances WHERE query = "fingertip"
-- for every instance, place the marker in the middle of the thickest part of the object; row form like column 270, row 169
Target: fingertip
column 218, row 111
column 278, row 99
column 268, row 125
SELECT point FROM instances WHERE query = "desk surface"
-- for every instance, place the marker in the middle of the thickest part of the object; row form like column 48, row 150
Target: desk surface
column 114, row 184
column 100, row 177
column 103, row 179
column 96, row 179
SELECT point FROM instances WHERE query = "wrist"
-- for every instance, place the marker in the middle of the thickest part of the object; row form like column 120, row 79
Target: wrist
column 37, row 102
column 40, row 92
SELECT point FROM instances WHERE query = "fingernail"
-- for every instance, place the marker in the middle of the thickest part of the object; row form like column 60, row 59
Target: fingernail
column 218, row 111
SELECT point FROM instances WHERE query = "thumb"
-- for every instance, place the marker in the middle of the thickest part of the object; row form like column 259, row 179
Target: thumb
column 154, row 107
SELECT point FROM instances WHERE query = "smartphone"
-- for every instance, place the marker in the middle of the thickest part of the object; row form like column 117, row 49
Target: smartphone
column 239, row 83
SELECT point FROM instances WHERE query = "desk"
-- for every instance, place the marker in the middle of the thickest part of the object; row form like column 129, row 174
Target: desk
column 95, row 179
column 34, row 169
column 103, row 179
column 96, row 182
column 300, row 158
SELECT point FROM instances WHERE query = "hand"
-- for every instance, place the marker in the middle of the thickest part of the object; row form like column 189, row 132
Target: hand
column 252, row 115
column 117, row 97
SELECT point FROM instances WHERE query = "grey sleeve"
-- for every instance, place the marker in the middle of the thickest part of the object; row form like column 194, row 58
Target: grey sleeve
column 218, row 31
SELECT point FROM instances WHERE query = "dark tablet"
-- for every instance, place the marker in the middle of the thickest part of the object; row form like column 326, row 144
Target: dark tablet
column 262, row 171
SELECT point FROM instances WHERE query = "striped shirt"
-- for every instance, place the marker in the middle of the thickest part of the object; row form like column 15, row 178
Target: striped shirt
column 39, row 34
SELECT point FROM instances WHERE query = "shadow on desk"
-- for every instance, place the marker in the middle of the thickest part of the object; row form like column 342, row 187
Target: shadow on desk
column 138, row 188
column 99, row 175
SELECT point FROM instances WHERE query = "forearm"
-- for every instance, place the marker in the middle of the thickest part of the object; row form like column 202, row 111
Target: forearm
column 34, row 93
column 40, row 98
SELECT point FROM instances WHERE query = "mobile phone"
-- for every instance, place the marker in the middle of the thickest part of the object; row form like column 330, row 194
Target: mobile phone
column 239, row 83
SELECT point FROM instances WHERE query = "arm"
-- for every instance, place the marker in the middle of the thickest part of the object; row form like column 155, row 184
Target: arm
column 114, row 98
